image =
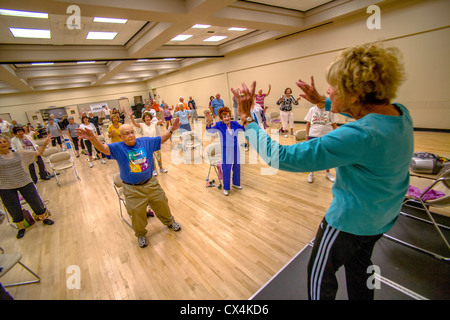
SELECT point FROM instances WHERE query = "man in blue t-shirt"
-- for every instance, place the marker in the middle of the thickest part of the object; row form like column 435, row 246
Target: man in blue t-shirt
column 135, row 159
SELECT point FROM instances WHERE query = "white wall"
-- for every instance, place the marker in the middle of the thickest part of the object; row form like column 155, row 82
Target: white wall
column 418, row 28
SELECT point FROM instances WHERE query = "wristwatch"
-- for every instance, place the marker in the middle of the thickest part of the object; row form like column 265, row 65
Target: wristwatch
column 248, row 120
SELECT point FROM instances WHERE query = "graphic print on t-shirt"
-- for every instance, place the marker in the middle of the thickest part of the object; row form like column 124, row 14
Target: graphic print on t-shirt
column 138, row 160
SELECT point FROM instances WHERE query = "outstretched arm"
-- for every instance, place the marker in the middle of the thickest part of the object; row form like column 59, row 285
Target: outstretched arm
column 89, row 135
column 168, row 134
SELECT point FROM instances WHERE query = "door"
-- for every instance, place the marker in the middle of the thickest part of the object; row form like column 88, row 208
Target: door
column 72, row 111
column 124, row 105
column 34, row 116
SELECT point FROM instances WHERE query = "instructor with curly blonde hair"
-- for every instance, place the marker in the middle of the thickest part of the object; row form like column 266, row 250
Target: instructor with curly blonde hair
column 371, row 156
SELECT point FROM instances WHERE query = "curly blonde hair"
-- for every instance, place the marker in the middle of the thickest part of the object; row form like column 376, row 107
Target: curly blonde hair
column 369, row 71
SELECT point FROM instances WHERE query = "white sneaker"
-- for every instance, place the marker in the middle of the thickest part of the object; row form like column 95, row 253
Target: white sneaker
column 155, row 172
column 226, row 192
column 330, row 177
column 237, row 187
column 162, row 170
column 91, row 164
column 285, row 135
column 103, row 161
column 311, row 177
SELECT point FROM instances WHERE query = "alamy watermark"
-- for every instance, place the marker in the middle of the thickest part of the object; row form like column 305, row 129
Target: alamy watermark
column 74, row 279
column 259, row 150
column 374, row 21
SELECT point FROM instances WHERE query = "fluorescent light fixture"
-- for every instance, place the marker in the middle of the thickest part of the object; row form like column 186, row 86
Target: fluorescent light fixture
column 94, row 35
column 141, row 60
column 110, row 20
column 30, row 33
column 201, row 26
column 26, row 14
column 85, row 62
column 169, row 59
column 42, row 63
column 181, row 37
column 215, row 38
column 237, row 29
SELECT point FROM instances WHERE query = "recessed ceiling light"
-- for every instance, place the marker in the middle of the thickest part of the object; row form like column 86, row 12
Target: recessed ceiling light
column 30, row 33
column 170, row 59
column 27, row 14
column 109, row 20
column 201, row 26
column 215, row 38
column 141, row 60
column 85, row 62
column 94, row 35
column 42, row 63
column 237, row 29
column 181, row 37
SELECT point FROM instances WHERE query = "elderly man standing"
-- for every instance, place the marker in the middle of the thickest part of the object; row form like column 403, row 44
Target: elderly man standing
column 135, row 159
column 216, row 104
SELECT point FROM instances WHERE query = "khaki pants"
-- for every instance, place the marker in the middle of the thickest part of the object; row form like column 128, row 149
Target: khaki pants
column 136, row 200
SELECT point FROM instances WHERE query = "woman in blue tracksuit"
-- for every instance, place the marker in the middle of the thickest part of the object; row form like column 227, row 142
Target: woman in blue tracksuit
column 371, row 156
column 230, row 148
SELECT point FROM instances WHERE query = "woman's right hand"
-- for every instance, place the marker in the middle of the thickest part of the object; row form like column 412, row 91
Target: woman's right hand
column 309, row 92
column 245, row 98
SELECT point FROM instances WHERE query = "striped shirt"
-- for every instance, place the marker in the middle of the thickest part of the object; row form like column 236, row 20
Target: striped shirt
column 286, row 103
column 14, row 169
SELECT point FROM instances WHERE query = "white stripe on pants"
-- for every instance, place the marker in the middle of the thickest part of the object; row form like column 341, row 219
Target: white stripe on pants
column 321, row 259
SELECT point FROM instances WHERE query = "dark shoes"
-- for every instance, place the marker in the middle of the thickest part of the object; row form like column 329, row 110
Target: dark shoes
column 20, row 233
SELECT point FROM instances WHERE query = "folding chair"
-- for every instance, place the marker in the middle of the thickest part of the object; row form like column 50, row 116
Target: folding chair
column 118, row 187
column 300, row 135
column 442, row 181
column 213, row 156
column 8, row 261
column 191, row 141
column 275, row 118
column 62, row 161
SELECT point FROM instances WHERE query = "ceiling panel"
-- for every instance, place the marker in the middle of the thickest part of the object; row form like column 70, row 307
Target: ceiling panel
column 147, row 34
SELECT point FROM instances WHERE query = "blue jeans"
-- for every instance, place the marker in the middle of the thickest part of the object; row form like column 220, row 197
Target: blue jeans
column 10, row 198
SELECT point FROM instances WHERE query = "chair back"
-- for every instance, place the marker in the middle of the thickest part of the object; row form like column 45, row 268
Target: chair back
column 59, row 157
column 442, row 184
column 118, row 183
column 49, row 151
column 274, row 114
column 61, row 161
column 300, row 135
column 213, row 153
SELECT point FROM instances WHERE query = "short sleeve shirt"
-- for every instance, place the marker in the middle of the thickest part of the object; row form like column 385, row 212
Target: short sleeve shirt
column 136, row 162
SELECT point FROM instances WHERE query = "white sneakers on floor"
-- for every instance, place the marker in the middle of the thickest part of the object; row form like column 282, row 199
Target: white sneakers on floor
column 328, row 175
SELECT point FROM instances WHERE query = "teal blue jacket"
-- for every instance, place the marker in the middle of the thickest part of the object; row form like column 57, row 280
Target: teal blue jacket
column 371, row 157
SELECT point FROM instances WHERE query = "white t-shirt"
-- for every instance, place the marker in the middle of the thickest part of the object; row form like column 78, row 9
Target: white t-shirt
column 5, row 126
column 90, row 126
column 148, row 131
column 321, row 121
